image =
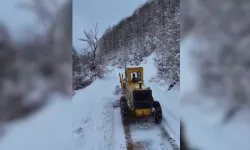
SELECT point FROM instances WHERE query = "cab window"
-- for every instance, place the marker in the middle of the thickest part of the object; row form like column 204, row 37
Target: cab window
column 135, row 76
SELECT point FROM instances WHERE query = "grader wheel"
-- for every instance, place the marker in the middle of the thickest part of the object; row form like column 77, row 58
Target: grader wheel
column 158, row 112
column 124, row 110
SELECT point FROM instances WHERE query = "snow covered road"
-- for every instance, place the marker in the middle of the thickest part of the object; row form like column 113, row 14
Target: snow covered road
column 97, row 125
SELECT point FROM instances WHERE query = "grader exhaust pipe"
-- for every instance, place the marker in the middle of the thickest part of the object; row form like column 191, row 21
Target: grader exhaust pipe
column 140, row 83
column 120, row 79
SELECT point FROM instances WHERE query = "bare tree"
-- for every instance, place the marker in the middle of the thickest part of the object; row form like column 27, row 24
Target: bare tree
column 96, row 65
column 91, row 38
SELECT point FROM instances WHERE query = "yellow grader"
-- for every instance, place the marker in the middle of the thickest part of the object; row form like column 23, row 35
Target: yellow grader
column 137, row 101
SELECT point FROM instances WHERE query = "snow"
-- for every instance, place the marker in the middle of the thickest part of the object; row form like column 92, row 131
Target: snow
column 96, row 121
column 49, row 128
column 203, row 117
column 132, row 66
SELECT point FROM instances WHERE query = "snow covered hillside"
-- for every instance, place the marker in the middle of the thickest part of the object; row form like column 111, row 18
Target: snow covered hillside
column 97, row 125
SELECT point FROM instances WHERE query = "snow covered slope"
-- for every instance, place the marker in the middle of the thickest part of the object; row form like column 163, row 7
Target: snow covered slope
column 97, row 125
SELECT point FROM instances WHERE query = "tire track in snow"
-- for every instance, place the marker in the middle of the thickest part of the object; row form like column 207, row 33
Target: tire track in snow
column 155, row 137
column 108, row 125
column 129, row 142
column 82, row 133
column 166, row 139
column 97, row 126
column 169, row 127
column 83, row 130
column 137, row 144
column 119, row 126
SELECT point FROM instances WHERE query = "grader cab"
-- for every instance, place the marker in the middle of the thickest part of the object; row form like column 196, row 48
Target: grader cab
column 137, row 101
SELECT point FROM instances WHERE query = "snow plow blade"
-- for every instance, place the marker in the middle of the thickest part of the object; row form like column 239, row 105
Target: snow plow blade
column 116, row 104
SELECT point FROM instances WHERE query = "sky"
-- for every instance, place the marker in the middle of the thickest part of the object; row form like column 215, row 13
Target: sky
column 104, row 12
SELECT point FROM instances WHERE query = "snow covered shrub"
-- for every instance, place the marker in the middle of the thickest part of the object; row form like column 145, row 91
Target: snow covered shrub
column 98, row 68
column 167, row 61
column 82, row 78
column 136, row 55
column 83, row 70
column 93, row 60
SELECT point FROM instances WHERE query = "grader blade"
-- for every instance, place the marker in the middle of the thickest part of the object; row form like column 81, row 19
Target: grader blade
column 117, row 90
